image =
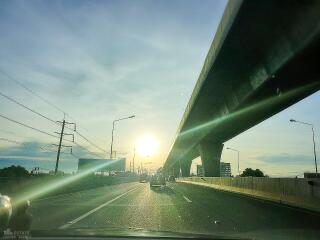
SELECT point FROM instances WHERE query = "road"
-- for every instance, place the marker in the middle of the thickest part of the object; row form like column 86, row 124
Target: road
column 178, row 207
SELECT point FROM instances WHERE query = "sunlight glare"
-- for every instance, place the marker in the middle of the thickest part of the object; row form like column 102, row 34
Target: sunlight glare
column 147, row 145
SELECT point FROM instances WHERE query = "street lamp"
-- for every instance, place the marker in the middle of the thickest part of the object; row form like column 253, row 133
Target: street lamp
column 235, row 150
column 113, row 123
column 314, row 143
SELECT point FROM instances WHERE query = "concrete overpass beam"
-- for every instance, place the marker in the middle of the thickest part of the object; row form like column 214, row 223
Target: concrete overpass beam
column 210, row 154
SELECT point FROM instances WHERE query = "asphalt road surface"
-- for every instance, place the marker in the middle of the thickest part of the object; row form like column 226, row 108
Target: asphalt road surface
column 178, row 207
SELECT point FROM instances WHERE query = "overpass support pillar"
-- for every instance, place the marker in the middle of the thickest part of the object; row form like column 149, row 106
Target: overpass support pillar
column 185, row 168
column 176, row 170
column 210, row 154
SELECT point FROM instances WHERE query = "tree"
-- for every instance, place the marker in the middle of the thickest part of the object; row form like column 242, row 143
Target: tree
column 249, row 172
column 14, row 171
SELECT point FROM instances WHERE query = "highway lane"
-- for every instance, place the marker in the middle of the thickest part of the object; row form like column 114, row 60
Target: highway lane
column 178, row 207
column 52, row 212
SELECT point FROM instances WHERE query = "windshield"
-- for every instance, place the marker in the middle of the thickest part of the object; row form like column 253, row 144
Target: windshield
column 181, row 117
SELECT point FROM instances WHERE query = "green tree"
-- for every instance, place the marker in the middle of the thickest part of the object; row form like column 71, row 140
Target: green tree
column 249, row 172
column 14, row 171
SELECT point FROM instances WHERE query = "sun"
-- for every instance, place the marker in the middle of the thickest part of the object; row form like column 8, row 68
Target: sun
column 147, row 145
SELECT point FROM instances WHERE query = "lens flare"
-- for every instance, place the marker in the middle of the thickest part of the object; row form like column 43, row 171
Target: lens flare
column 56, row 183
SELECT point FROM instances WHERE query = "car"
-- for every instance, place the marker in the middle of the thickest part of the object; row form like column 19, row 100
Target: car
column 157, row 180
column 171, row 178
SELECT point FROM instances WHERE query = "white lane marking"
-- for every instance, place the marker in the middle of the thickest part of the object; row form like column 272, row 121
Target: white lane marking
column 95, row 209
column 187, row 199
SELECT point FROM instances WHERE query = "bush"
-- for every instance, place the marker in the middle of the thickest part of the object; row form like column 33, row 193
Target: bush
column 14, row 171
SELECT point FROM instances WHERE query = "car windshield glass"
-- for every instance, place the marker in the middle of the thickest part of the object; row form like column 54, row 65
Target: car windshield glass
column 180, row 118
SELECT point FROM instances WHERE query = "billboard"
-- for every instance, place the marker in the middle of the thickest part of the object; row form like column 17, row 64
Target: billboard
column 101, row 165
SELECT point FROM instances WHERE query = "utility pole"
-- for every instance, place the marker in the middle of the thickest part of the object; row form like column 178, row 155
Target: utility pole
column 59, row 147
column 111, row 146
column 134, row 155
column 60, row 142
column 314, row 152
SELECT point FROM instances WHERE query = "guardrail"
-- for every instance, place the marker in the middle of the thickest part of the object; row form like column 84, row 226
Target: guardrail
column 297, row 192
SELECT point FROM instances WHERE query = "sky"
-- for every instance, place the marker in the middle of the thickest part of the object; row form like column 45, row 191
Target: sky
column 98, row 61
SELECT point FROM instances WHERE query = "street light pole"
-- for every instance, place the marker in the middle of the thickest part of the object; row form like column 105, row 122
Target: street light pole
column 113, row 124
column 235, row 150
column 180, row 171
column 314, row 143
column 314, row 151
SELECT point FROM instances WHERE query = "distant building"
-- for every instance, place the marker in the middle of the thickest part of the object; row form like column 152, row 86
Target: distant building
column 199, row 170
column 225, row 169
column 102, row 165
column 311, row 175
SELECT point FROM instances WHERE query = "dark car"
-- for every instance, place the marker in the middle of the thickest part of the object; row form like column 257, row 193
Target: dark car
column 157, row 180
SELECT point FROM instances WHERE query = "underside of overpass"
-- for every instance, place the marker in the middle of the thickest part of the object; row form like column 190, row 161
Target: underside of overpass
column 263, row 59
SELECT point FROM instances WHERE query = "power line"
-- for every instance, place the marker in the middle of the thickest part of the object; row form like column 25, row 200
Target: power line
column 35, row 94
column 86, row 149
column 75, row 156
column 86, row 139
column 46, row 101
column 31, row 91
column 26, row 107
column 41, row 147
column 77, row 144
column 49, row 119
column 24, row 144
column 27, row 126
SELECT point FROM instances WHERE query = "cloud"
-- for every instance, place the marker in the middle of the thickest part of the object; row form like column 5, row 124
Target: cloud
column 100, row 60
column 36, row 154
column 286, row 159
column 36, row 151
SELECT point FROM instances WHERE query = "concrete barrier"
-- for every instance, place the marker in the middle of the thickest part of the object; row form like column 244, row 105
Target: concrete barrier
column 297, row 192
column 14, row 187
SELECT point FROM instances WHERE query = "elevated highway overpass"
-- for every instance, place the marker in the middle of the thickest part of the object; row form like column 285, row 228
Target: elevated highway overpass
column 264, row 58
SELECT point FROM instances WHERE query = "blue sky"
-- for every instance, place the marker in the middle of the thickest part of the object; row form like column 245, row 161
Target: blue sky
column 102, row 60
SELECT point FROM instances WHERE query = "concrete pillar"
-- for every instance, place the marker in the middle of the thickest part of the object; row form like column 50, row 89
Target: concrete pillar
column 185, row 167
column 176, row 170
column 210, row 156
